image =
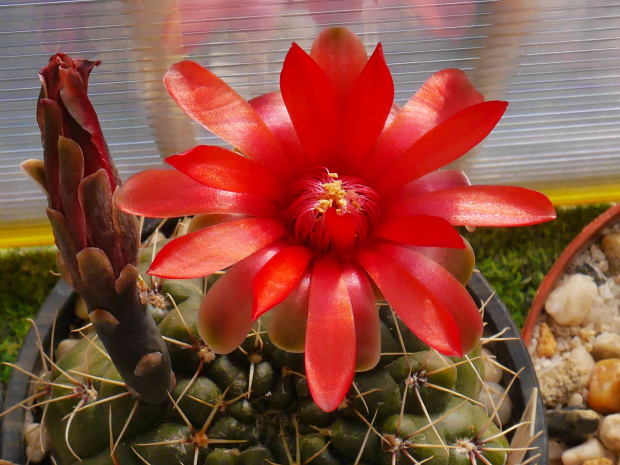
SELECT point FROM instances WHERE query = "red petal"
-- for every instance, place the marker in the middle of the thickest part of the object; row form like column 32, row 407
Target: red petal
column 419, row 308
column 430, row 182
column 169, row 193
column 278, row 278
column 342, row 55
column 75, row 99
column 443, row 95
column 368, row 107
column 458, row 262
column 448, row 290
column 287, row 321
column 442, row 145
column 50, row 118
column 71, row 169
column 480, row 206
column 216, row 106
column 421, row 230
column 365, row 315
column 341, row 229
column 330, row 336
column 225, row 315
column 393, row 112
column 220, row 168
column 311, row 103
column 215, row 248
column 270, row 107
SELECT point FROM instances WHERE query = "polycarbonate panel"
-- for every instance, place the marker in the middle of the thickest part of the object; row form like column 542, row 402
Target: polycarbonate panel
column 556, row 61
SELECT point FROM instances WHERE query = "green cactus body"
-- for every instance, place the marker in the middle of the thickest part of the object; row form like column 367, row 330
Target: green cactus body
column 411, row 436
column 468, row 428
column 419, row 374
column 253, row 406
column 469, row 373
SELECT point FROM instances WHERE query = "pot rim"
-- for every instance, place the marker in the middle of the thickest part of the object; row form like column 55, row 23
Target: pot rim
column 588, row 236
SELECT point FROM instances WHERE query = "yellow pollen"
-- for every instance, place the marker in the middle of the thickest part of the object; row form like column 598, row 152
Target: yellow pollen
column 323, row 205
column 333, row 195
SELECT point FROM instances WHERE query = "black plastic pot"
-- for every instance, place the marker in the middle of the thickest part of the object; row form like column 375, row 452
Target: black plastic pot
column 60, row 302
column 515, row 356
column 58, row 305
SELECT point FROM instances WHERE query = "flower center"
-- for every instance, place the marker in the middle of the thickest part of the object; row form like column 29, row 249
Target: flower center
column 310, row 199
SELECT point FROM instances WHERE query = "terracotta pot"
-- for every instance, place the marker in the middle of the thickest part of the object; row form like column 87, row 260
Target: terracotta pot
column 588, row 236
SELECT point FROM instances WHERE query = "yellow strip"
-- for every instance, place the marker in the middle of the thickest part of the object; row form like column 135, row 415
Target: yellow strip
column 579, row 195
column 39, row 232
column 26, row 234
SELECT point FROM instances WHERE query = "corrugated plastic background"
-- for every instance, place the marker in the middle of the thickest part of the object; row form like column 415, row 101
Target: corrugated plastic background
column 556, row 61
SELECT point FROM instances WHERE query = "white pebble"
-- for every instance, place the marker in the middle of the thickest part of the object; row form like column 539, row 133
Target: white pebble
column 575, row 400
column 597, row 253
column 587, row 334
column 585, row 393
column 38, row 442
column 570, row 303
column 600, row 317
column 562, row 331
column 64, row 346
column 582, row 358
column 491, row 398
column 606, row 345
column 610, row 431
column 555, row 450
column 610, row 246
column 492, row 372
column 591, row 449
column 81, row 311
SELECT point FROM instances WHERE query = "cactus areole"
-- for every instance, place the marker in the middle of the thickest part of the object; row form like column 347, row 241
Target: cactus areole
column 331, row 199
column 98, row 244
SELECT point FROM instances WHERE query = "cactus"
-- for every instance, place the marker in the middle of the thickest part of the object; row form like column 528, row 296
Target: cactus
column 253, row 406
column 172, row 375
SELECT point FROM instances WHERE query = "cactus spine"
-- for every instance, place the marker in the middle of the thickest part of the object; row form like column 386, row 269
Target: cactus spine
column 253, row 406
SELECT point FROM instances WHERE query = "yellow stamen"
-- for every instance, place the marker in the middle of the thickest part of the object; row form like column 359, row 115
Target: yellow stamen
column 323, row 205
column 334, row 195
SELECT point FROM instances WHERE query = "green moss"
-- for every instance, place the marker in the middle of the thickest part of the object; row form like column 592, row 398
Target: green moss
column 26, row 281
column 515, row 260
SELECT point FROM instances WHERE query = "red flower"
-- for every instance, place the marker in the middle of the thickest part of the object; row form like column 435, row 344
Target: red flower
column 334, row 187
